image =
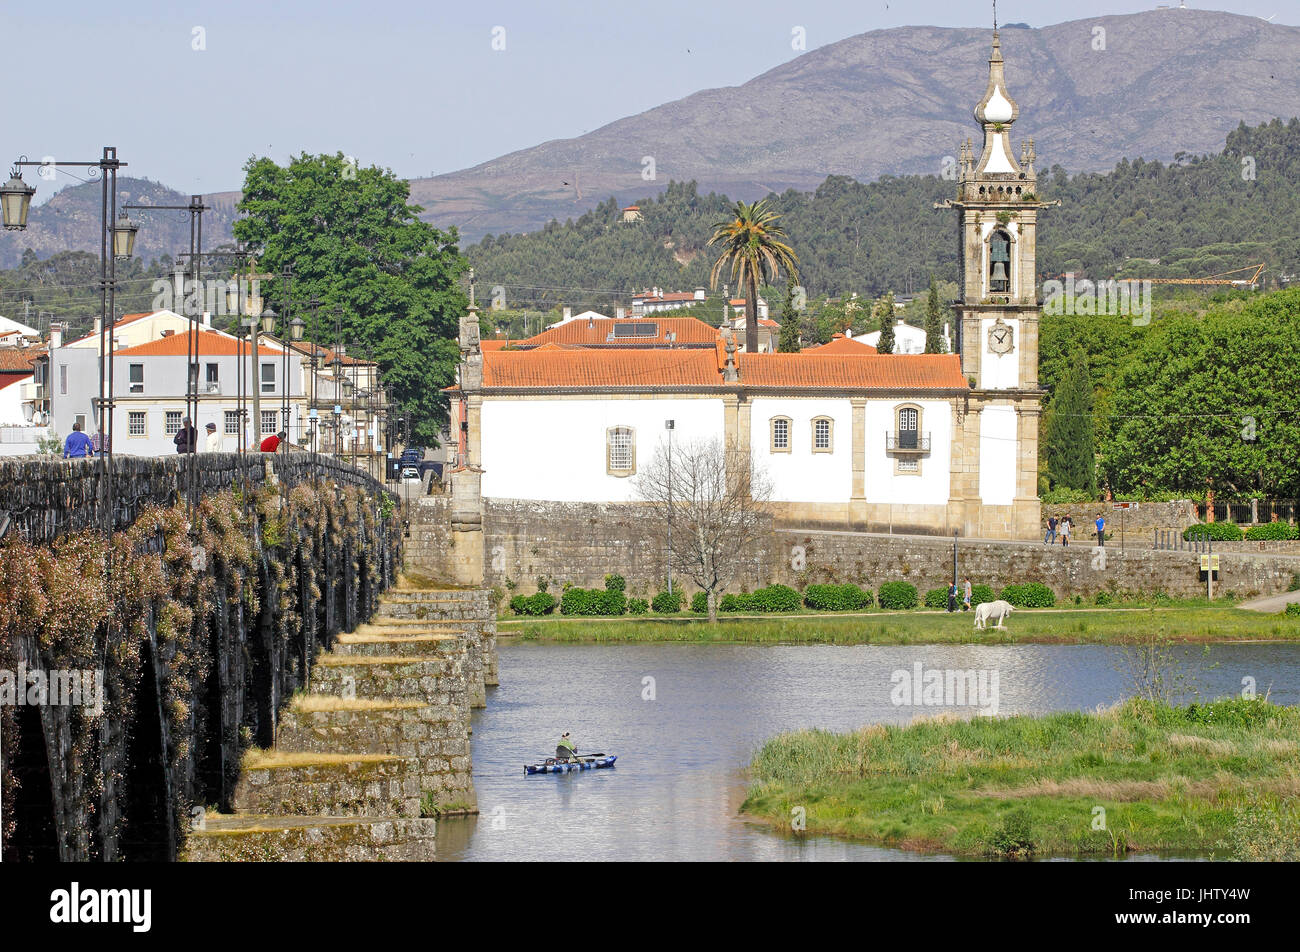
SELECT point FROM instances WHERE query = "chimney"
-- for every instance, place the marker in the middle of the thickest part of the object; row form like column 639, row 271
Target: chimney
column 619, row 313
column 568, row 313
column 699, row 294
column 207, row 318
column 56, row 335
column 97, row 327
column 848, row 332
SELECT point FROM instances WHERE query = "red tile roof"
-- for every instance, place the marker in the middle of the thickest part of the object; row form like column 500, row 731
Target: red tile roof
column 689, row 330
column 211, row 344
column 613, row 368
column 19, row 359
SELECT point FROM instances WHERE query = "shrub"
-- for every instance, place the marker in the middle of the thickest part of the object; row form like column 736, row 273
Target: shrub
column 1293, row 608
column 700, row 603
column 1272, row 531
column 1219, row 531
column 775, row 598
column 1029, row 595
column 1103, row 598
column 594, row 601
column 1014, row 837
column 836, row 598
column 668, row 603
column 937, row 598
column 615, row 583
column 979, row 594
column 611, row 603
column 637, row 606
column 897, row 595
column 542, row 603
column 734, row 603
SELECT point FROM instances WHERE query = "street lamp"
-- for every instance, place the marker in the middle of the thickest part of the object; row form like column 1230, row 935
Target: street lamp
column 16, row 200
column 669, row 425
column 124, row 236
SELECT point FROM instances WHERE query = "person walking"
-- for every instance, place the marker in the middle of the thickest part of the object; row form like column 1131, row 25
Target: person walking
column 1050, row 538
column 78, row 445
column 966, row 595
column 213, row 442
column 187, row 438
column 1066, row 525
column 1101, row 529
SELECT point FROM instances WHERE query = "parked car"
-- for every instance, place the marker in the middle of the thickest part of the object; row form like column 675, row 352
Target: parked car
column 411, row 472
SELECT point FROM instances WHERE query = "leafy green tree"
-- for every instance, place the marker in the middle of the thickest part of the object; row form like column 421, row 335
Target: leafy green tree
column 354, row 241
column 754, row 249
column 788, row 343
column 1069, row 443
column 883, row 312
column 934, row 343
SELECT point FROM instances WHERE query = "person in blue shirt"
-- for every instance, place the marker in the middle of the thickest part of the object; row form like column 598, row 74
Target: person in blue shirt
column 1101, row 529
column 77, row 445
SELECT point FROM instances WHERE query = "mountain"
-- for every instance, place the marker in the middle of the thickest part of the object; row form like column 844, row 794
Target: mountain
column 897, row 102
column 70, row 220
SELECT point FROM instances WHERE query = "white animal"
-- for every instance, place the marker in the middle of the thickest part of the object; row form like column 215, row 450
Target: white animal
column 998, row 611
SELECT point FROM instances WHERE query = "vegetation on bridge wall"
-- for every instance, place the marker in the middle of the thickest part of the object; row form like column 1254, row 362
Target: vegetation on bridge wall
column 200, row 633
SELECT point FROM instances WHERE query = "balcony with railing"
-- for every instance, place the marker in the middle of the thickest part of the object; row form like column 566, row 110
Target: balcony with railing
column 907, row 442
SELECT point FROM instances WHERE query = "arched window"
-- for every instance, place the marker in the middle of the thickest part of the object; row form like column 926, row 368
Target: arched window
column 999, row 262
column 779, row 435
column 823, row 431
column 620, row 451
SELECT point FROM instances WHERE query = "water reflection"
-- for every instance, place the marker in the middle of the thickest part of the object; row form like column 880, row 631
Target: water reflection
column 675, row 792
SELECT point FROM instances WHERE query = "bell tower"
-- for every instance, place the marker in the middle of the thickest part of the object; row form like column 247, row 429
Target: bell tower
column 997, row 316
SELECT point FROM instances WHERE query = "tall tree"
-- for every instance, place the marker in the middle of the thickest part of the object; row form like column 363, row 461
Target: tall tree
column 754, row 249
column 934, row 343
column 713, row 497
column 883, row 312
column 789, row 340
column 1070, row 445
column 354, row 241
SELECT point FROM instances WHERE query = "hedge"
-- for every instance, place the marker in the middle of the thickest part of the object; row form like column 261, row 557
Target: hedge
column 836, row 598
column 1219, row 531
column 1293, row 608
column 897, row 595
column 979, row 594
column 542, row 603
column 1274, row 531
column 773, row 598
column 700, row 603
column 1029, row 595
column 937, row 598
column 668, row 603
column 637, row 606
column 595, row 601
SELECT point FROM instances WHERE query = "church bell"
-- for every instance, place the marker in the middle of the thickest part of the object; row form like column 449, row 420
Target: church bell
column 999, row 271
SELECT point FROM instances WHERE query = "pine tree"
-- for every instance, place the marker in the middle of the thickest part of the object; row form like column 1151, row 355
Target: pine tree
column 788, row 342
column 1070, row 439
column 934, row 342
column 884, row 312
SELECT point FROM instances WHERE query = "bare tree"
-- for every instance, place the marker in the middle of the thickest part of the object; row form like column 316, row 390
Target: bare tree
column 711, row 501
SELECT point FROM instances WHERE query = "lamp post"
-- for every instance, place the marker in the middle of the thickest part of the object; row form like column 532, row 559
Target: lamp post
column 669, row 425
column 312, row 414
column 117, row 240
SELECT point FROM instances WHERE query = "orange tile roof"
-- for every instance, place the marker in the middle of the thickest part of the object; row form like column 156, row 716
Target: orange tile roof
column 493, row 343
column 689, row 330
column 600, row 369
column 211, row 344
column 614, row 368
column 19, row 359
column 840, row 344
column 865, row 372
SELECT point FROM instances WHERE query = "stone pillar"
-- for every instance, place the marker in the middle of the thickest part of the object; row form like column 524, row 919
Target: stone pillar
column 1028, row 508
column 859, row 446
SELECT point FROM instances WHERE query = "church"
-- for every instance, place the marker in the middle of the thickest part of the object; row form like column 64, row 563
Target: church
column 850, row 439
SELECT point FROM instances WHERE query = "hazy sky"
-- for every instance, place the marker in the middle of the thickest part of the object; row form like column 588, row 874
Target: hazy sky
column 413, row 86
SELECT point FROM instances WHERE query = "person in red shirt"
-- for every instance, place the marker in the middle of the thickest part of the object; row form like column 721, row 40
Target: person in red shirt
column 272, row 443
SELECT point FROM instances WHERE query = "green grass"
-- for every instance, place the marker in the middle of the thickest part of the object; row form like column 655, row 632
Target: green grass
column 1219, row 778
column 1043, row 626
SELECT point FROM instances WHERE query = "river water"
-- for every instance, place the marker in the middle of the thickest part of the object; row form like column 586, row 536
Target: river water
column 684, row 737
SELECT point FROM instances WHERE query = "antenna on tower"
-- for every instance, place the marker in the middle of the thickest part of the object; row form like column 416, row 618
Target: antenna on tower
column 995, row 16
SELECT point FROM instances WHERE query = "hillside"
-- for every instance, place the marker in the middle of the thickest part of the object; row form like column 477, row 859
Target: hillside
column 1194, row 217
column 896, row 102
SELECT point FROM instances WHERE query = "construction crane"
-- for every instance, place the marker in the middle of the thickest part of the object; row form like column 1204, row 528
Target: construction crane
column 1256, row 271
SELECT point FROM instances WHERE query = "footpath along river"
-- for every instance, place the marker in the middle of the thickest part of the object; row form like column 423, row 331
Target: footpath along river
column 684, row 738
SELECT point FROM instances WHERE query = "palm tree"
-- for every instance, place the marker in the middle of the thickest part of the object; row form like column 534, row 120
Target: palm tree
column 754, row 248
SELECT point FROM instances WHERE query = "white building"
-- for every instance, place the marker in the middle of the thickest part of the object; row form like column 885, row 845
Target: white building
column 908, row 339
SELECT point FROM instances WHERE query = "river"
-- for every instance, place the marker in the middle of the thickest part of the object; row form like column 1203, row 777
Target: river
column 684, row 737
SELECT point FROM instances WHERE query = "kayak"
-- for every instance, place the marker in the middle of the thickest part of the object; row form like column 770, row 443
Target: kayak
column 551, row 765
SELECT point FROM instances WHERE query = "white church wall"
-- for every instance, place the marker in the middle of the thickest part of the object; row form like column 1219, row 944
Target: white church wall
column 999, row 371
column 932, row 485
column 802, row 475
column 555, row 449
column 999, row 451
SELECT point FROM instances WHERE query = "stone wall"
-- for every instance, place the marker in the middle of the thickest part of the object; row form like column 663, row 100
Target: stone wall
column 581, row 543
column 1138, row 522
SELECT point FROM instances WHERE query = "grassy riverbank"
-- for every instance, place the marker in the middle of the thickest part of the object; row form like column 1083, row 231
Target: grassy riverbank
column 1030, row 626
column 1218, row 778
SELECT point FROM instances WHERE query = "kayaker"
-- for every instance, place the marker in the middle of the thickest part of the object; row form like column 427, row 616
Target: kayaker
column 564, row 750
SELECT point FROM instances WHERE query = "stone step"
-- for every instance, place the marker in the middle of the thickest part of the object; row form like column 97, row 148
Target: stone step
column 415, row 644
column 245, row 838
column 436, row 680
column 287, row 783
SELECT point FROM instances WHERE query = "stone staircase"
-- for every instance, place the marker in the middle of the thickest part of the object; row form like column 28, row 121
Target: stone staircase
column 378, row 747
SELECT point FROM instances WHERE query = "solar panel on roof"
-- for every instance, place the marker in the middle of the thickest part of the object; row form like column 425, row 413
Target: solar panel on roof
column 636, row 329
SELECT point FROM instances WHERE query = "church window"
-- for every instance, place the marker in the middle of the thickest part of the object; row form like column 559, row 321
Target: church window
column 822, row 429
column 779, row 430
column 620, row 451
column 999, row 262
